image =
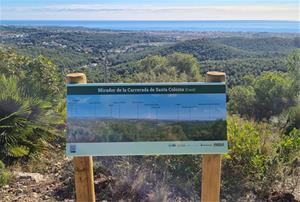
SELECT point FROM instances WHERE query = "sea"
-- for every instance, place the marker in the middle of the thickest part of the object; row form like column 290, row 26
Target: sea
column 222, row 26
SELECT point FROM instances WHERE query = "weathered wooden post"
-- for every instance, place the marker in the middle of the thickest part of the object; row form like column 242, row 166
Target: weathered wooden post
column 83, row 166
column 211, row 163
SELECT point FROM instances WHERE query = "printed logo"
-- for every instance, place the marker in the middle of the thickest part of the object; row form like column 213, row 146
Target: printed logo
column 72, row 148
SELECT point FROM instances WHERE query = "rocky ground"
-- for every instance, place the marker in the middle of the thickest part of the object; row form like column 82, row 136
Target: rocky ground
column 49, row 185
column 51, row 179
column 55, row 184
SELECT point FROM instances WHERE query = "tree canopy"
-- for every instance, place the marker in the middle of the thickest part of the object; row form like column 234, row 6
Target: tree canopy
column 269, row 94
column 37, row 73
column 174, row 67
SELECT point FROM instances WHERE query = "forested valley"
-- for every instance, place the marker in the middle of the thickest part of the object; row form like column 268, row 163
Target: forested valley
column 263, row 71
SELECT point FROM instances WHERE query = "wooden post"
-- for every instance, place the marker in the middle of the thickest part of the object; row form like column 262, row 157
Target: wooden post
column 83, row 166
column 211, row 163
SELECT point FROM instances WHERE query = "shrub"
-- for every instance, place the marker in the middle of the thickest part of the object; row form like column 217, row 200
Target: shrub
column 39, row 76
column 4, row 175
column 242, row 99
column 288, row 120
column 261, row 159
column 251, row 149
column 267, row 95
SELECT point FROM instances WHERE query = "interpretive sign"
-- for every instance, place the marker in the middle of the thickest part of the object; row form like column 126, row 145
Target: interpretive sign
column 146, row 119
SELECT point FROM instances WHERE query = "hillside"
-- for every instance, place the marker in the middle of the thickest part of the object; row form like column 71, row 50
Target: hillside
column 93, row 50
column 81, row 47
column 259, row 45
column 263, row 113
column 208, row 49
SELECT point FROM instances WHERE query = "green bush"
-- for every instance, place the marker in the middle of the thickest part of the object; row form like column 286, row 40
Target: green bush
column 242, row 99
column 289, row 146
column 261, row 159
column 289, row 119
column 4, row 175
column 265, row 96
column 269, row 94
column 39, row 76
column 250, row 156
column 293, row 64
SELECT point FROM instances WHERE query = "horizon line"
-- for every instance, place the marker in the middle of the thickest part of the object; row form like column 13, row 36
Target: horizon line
column 147, row 20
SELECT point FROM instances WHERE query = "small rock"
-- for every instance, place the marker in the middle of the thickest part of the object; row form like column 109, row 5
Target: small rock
column 6, row 187
column 45, row 197
column 30, row 176
column 35, row 195
column 19, row 191
column 36, row 189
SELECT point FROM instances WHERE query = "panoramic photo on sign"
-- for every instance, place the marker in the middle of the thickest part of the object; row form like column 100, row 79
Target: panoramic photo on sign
column 146, row 119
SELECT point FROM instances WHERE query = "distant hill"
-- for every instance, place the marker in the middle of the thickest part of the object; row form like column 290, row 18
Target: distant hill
column 235, row 47
column 208, row 49
column 238, row 56
column 272, row 44
column 94, row 49
column 236, row 69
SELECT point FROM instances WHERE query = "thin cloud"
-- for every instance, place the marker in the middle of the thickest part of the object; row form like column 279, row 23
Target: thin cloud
column 100, row 7
column 149, row 12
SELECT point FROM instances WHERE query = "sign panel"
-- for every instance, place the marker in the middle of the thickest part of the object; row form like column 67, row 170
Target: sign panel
column 146, row 119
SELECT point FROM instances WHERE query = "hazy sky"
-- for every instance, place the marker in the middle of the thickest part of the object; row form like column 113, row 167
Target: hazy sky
column 150, row 10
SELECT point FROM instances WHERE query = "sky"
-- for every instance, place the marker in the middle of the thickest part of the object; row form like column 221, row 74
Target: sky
column 149, row 106
column 150, row 10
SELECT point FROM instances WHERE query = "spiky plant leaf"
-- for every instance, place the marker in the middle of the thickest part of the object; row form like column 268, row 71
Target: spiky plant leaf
column 18, row 151
column 26, row 122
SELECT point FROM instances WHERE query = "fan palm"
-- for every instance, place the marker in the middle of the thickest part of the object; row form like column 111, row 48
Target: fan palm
column 27, row 124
